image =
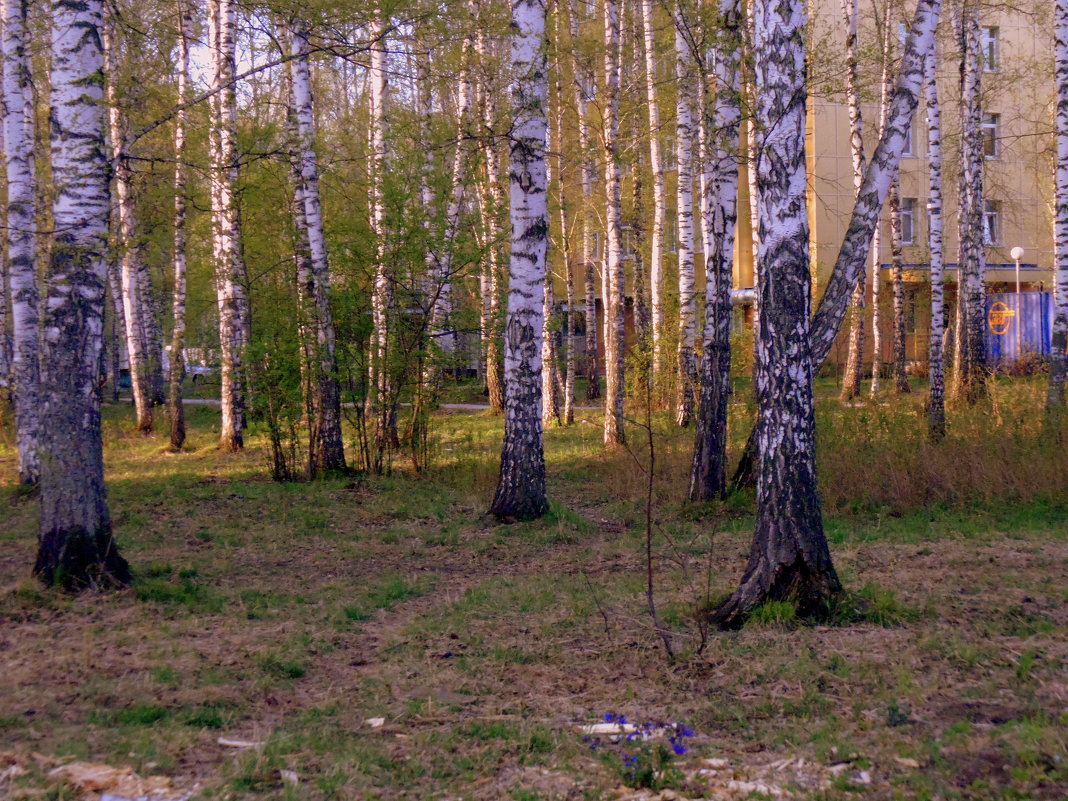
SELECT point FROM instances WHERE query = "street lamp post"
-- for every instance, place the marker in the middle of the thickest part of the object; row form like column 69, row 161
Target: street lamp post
column 1017, row 253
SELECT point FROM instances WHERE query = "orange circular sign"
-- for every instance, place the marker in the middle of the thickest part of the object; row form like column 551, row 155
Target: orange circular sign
column 999, row 318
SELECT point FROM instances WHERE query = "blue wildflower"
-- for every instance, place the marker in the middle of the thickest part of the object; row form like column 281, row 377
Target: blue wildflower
column 679, row 748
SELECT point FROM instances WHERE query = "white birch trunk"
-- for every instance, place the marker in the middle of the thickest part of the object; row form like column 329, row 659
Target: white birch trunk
column 685, row 364
column 708, row 477
column 177, row 364
column 656, row 258
column 75, row 543
column 568, row 414
column 969, row 368
column 589, row 256
column 855, row 357
column 226, row 256
column 936, row 406
column 521, row 485
column 876, row 277
column 1058, row 367
column 129, row 261
column 329, row 449
column 21, row 239
column 614, row 342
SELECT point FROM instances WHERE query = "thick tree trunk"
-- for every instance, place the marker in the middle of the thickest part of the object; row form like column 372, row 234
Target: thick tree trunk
column 614, row 342
column 789, row 560
column 685, row 364
column 644, row 8
column 75, row 545
column 855, row 358
column 329, row 447
column 226, row 254
column 129, row 258
column 708, row 476
column 969, row 368
column 521, row 485
column 177, row 363
column 936, row 404
column 1059, row 364
column 21, row 239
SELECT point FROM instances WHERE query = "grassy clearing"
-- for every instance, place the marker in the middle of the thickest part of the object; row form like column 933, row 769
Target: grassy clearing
column 290, row 615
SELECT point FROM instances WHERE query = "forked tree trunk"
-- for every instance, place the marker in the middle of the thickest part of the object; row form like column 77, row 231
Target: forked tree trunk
column 685, row 364
column 521, row 485
column 789, row 560
column 884, row 163
column 644, row 8
column 936, row 404
column 21, row 239
column 969, row 367
column 226, row 254
column 855, row 357
column 708, row 476
column 75, row 545
column 177, row 363
column 129, row 257
column 1059, row 364
column 613, row 406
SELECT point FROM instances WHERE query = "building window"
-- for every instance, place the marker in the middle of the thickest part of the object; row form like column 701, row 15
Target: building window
column 991, row 135
column 908, row 143
column 991, row 50
column 908, row 220
column 992, row 222
column 671, row 235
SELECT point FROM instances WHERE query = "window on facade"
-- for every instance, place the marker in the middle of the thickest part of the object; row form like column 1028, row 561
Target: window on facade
column 908, row 142
column 992, row 222
column 908, row 220
column 991, row 54
column 991, row 135
column 595, row 244
column 671, row 235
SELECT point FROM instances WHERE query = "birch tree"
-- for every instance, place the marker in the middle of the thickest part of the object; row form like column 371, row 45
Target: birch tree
column 708, row 477
column 130, row 266
column 891, row 192
column 789, row 558
column 1059, row 364
column 855, row 357
column 848, row 267
column 492, row 202
column 521, row 484
column 177, row 362
column 614, row 330
column 226, row 254
column 644, row 8
column 685, row 363
column 969, row 364
column 936, row 407
column 328, row 449
column 75, row 542
column 566, row 251
column 21, row 238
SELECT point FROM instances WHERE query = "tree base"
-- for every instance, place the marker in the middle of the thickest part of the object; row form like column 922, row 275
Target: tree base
column 517, row 510
column 812, row 594
column 78, row 560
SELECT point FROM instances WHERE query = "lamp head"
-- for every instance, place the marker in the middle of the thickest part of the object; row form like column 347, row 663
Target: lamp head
column 1017, row 253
